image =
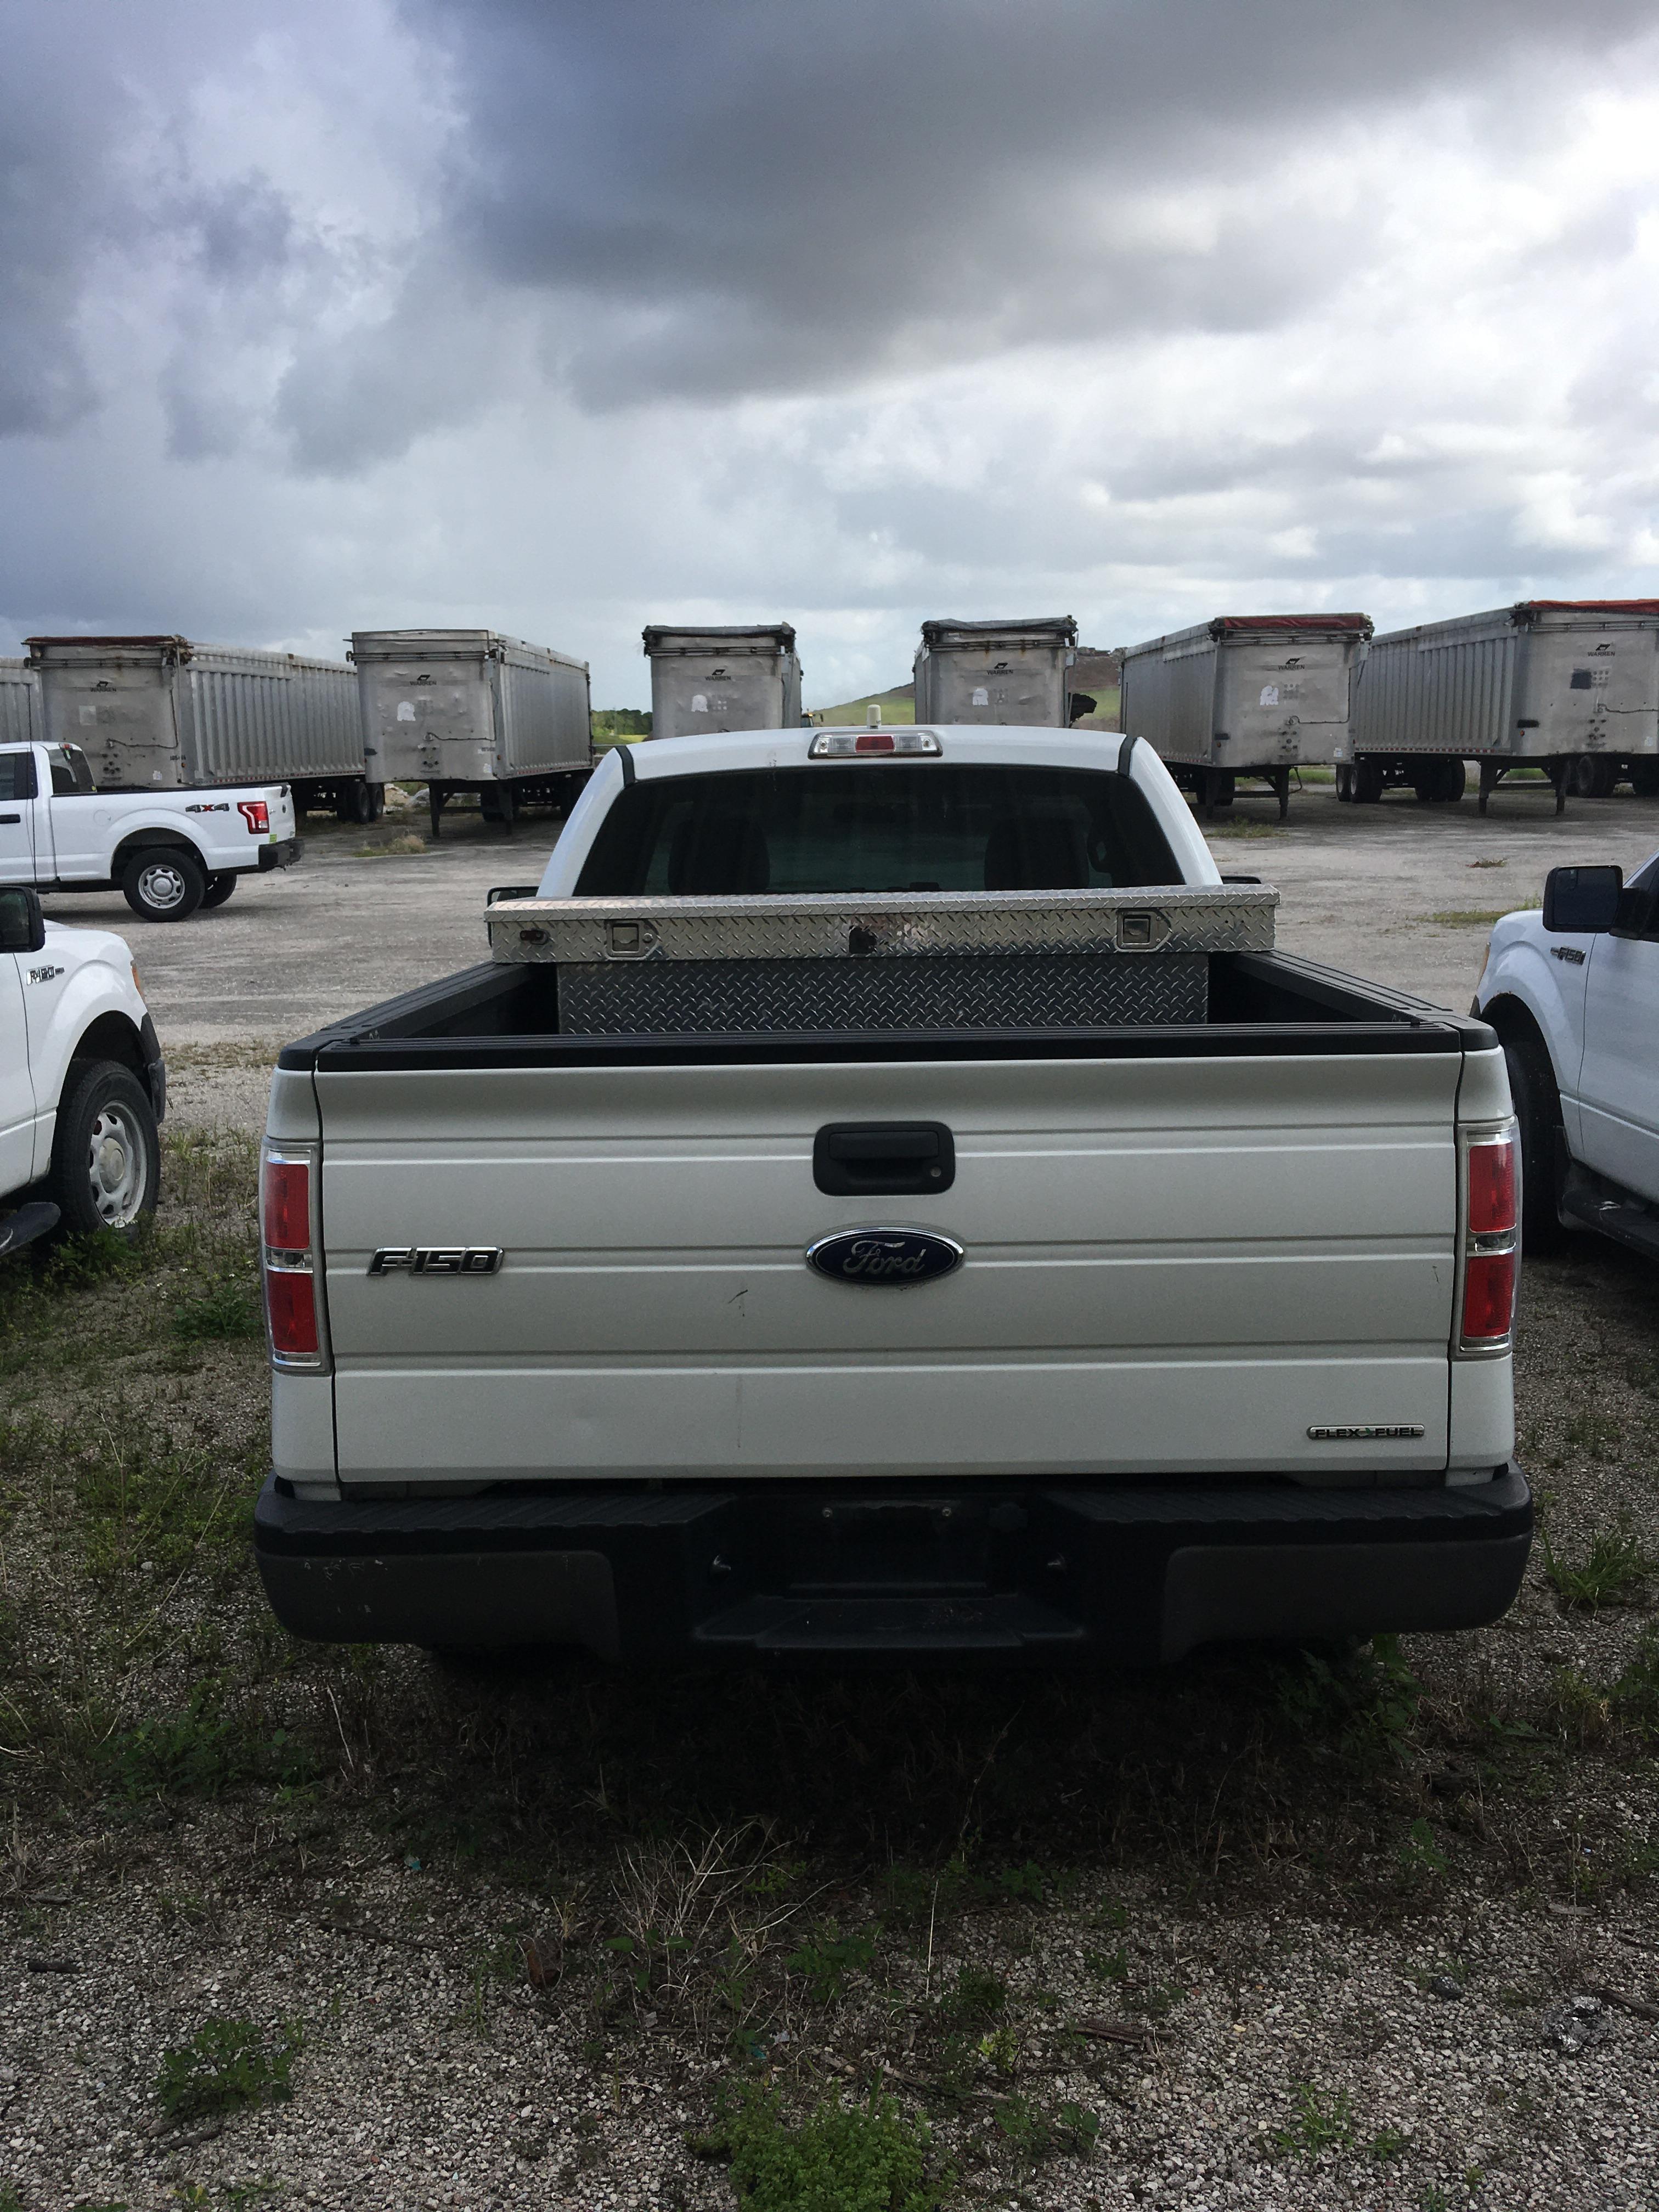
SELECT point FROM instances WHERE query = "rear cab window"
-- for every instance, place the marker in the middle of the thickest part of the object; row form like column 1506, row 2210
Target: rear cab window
column 896, row 826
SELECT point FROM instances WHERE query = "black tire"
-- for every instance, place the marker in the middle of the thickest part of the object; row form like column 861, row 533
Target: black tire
column 1591, row 775
column 498, row 804
column 105, row 1170
column 1367, row 782
column 1644, row 778
column 1345, row 783
column 218, row 889
column 163, row 882
column 1439, row 782
column 1538, row 1110
column 354, row 805
column 376, row 800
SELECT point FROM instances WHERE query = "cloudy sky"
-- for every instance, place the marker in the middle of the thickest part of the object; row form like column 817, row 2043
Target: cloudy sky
column 563, row 317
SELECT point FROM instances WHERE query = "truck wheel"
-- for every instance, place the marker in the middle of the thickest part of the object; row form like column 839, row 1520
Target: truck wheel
column 218, row 889
column 163, row 882
column 498, row 804
column 1644, row 778
column 376, row 800
column 1439, row 782
column 1345, row 783
column 353, row 805
column 106, row 1158
column 1538, row 1111
column 1591, row 775
column 1367, row 782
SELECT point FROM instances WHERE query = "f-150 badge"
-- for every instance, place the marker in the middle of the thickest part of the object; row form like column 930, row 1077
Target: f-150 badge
column 893, row 1258
column 437, row 1260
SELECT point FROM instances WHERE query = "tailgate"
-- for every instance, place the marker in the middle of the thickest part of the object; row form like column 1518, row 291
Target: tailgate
column 1172, row 1266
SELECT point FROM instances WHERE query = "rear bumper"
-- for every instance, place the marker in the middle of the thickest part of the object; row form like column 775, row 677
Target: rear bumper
column 281, row 854
column 1008, row 1572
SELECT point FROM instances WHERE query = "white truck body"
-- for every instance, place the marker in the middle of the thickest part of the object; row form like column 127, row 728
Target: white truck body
column 69, row 999
column 1001, row 672
column 1243, row 694
column 58, row 833
column 468, row 710
column 1195, row 1362
column 166, row 713
column 705, row 682
column 1574, row 995
column 20, row 703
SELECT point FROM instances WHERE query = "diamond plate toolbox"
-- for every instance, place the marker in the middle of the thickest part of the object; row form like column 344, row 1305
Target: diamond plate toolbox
column 912, row 960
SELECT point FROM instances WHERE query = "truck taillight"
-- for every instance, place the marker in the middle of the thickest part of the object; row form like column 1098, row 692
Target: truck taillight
column 1489, row 1206
column 288, row 1243
column 257, row 815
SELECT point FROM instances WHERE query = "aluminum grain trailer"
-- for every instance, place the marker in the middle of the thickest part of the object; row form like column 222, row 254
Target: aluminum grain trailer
column 19, row 712
column 166, row 713
column 707, row 681
column 1567, row 686
column 469, row 710
column 997, row 671
column 1244, row 696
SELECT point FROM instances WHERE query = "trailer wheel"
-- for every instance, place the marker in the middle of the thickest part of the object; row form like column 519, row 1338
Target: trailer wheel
column 1439, row 782
column 106, row 1156
column 376, row 800
column 1644, row 778
column 218, row 889
column 354, row 805
column 1367, row 782
column 1345, row 783
column 498, row 803
column 163, row 882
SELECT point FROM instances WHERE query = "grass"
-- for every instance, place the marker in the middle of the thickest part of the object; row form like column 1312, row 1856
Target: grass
column 840, row 2158
column 1476, row 917
column 1242, row 826
column 1613, row 1571
column 1318, row 2122
column 226, row 2065
column 407, row 842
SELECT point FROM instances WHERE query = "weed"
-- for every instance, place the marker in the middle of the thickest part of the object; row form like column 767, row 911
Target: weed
column 1388, row 2142
column 1243, row 827
column 80, row 1261
column 1635, row 1696
column 201, row 1752
column 226, row 2065
column 1370, row 1701
column 225, row 1309
column 826, row 1959
column 1434, row 2199
column 1108, row 1966
column 841, row 2158
column 976, row 1998
column 1612, row 1572
column 1420, row 1855
column 1318, row 2122
column 999, row 2050
column 1582, row 1712
column 1593, row 1435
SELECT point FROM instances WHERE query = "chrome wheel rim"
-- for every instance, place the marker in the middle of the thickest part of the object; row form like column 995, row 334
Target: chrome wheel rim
column 117, row 1172
column 162, row 885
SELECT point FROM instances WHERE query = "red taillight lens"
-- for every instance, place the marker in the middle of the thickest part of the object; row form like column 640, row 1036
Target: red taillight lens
column 291, row 1305
column 1488, row 1296
column 1492, row 1188
column 876, row 741
column 257, row 815
column 287, row 1206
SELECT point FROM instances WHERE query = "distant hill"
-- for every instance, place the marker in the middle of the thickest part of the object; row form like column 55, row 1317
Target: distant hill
column 898, row 705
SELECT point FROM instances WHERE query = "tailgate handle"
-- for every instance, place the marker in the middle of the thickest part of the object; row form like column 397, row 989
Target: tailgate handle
column 855, row 1158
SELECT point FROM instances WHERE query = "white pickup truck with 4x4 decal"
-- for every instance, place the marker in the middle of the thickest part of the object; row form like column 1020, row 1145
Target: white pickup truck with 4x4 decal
column 167, row 852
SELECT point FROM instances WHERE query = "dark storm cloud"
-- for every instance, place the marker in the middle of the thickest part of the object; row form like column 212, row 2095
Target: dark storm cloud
column 765, row 197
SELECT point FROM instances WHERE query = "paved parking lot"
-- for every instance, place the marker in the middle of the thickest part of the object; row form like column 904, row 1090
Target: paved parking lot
column 1399, row 893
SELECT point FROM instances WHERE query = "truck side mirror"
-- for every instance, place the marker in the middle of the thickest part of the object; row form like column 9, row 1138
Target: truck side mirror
column 1579, row 902
column 22, row 925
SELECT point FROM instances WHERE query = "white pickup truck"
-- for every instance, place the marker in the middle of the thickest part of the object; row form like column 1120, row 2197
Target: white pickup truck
column 83, row 1083
column 886, row 1196
column 167, row 852
column 1573, row 993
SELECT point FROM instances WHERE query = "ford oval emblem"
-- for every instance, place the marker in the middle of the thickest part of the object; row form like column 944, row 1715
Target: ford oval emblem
column 893, row 1258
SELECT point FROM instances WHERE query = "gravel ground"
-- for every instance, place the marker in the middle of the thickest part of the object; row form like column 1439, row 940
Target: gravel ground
column 1260, row 1932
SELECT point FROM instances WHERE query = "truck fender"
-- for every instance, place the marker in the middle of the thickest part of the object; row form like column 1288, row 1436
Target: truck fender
column 85, row 1024
column 1520, row 989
